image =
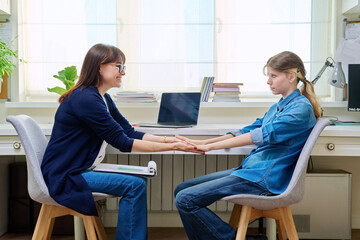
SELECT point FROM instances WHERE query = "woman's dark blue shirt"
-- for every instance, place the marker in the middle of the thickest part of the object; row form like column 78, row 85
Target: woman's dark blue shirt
column 82, row 123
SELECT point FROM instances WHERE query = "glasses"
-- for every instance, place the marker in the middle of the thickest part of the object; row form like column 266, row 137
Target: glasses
column 121, row 67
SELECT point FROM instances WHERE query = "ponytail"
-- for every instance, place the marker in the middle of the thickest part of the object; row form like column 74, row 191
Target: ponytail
column 307, row 89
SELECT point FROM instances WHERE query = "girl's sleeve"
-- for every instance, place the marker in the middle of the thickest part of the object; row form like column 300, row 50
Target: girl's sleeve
column 91, row 109
column 288, row 124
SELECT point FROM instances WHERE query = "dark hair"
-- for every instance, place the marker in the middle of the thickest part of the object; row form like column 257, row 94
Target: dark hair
column 90, row 71
column 290, row 62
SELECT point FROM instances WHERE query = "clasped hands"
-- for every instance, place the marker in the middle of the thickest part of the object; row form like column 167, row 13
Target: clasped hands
column 190, row 145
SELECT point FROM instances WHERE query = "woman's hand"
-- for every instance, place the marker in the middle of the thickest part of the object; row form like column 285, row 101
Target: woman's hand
column 186, row 147
column 172, row 140
column 190, row 141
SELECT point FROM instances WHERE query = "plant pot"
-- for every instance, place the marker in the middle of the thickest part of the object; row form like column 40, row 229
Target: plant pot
column 4, row 88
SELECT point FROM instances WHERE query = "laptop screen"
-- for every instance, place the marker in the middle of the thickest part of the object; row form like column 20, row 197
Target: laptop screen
column 179, row 108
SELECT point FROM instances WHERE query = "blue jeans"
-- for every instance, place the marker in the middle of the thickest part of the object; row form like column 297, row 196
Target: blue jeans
column 132, row 217
column 193, row 196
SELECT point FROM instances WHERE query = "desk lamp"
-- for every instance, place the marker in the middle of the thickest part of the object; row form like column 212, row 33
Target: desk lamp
column 336, row 78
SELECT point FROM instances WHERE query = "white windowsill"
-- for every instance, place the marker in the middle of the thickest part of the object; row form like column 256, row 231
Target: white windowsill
column 156, row 105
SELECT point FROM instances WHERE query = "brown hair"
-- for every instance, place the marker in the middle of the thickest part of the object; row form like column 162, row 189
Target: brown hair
column 290, row 62
column 90, row 71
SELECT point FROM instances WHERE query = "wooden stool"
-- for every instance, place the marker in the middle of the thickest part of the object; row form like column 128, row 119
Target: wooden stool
column 45, row 223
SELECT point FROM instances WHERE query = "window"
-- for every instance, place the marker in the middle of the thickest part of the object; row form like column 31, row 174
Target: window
column 171, row 45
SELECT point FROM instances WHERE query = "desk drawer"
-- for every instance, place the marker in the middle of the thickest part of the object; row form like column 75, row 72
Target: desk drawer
column 11, row 145
column 337, row 146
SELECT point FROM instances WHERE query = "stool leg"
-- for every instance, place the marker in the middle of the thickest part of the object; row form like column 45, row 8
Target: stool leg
column 47, row 236
column 235, row 216
column 43, row 223
column 288, row 221
column 244, row 222
column 89, row 227
column 99, row 227
column 281, row 230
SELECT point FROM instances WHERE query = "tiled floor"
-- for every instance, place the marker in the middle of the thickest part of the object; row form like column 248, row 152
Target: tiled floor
column 154, row 234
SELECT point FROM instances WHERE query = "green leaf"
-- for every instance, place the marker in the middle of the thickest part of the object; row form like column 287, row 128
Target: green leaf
column 58, row 90
column 71, row 73
column 6, row 57
column 67, row 76
column 69, row 84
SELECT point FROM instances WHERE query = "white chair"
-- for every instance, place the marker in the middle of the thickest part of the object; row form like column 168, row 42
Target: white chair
column 249, row 207
column 34, row 142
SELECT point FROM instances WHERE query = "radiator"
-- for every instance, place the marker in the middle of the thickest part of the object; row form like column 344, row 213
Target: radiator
column 172, row 170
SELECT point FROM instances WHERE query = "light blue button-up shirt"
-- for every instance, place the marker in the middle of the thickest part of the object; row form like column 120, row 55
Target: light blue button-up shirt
column 279, row 137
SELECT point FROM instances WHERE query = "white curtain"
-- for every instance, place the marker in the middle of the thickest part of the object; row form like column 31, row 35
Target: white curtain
column 171, row 45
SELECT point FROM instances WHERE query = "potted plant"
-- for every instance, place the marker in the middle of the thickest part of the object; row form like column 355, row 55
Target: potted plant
column 68, row 76
column 6, row 66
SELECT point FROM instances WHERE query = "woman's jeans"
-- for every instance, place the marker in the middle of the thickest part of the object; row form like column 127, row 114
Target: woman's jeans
column 193, row 196
column 132, row 218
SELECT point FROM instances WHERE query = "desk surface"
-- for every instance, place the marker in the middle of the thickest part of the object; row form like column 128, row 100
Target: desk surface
column 204, row 130
column 344, row 140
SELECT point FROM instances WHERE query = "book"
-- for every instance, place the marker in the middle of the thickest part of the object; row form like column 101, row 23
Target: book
column 203, row 87
column 129, row 97
column 227, row 89
column 206, row 88
column 149, row 171
column 228, row 84
column 226, row 92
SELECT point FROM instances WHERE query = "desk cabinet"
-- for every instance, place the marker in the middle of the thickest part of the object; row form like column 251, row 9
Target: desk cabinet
column 325, row 211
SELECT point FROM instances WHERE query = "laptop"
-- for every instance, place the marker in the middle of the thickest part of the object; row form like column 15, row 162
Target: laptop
column 177, row 110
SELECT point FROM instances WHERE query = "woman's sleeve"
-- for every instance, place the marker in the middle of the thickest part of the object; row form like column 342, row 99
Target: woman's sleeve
column 91, row 109
column 288, row 124
column 120, row 119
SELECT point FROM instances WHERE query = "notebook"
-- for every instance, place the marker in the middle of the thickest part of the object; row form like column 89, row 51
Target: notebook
column 149, row 171
column 177, row 110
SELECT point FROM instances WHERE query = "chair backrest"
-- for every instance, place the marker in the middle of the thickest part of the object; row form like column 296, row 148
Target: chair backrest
column 34, row 142
column 296, row 188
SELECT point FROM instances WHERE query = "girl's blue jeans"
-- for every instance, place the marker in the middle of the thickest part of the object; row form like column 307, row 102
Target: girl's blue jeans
column 193, row 196
column 132, row 217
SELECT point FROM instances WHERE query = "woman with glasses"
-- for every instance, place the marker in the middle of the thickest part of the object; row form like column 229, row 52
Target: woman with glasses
column 86, row 120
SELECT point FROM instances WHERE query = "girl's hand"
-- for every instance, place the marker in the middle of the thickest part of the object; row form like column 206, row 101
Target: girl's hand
column 186, row 147
column 203, row 148
column 190, row 141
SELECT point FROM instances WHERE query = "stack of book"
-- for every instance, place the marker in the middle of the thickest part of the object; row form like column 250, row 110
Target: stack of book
column 135, row 97
column 206, row 88
column 226, row 92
